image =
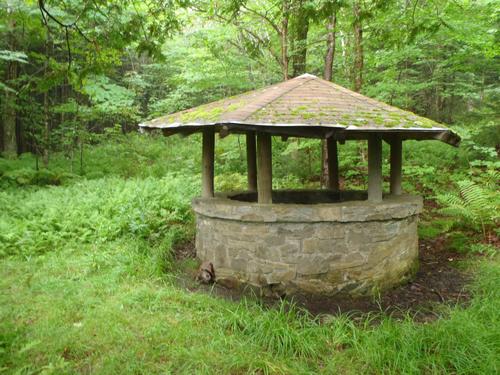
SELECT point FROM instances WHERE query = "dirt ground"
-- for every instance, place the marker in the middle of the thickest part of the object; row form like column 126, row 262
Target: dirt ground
column 439, row 281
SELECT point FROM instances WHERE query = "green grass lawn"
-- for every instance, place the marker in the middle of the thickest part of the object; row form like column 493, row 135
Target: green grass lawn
column 87, row 285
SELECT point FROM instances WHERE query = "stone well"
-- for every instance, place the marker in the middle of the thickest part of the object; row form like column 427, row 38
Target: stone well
column 315, row 242
column 320, row 242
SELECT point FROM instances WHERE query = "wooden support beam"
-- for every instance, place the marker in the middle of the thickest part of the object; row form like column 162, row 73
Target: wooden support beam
column 264, row 170
column 251, row 161
column 207, row 167
column 396, row 165
column 374, row 168
column 333, row 164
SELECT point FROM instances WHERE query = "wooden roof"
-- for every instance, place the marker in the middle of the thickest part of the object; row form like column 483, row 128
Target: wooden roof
column 305, row 106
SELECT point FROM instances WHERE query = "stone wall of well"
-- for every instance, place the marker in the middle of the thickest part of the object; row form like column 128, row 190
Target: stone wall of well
column 354, row 247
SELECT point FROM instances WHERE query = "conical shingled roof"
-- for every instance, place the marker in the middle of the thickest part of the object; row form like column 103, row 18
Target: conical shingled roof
column 304, row 106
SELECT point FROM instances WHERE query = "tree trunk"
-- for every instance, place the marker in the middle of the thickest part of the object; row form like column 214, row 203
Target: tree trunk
column 46, row 103
column 46, row 129
column 10, row 113
column 345, row 43
column 9, row 102
column 301, row 29
column 284, row 38
column 358, row 47
column 330, row 47
column 324, row 164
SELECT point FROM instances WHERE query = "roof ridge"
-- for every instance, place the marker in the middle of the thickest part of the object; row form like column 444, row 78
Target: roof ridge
column 262, row 102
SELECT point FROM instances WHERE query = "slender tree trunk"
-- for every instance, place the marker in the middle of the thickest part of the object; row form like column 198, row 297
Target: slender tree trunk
column 9, row 102
column 330, row 47
column 358, row 47
column 46, row 109
column 324, row 164
column 301, row 30
column 284, row 38
column 63, row 98
column 10, row 113
column 46, row 129
column 345, row 49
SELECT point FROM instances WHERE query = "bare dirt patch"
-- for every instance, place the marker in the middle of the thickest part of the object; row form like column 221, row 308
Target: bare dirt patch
column 439, row 281
column 185, row 250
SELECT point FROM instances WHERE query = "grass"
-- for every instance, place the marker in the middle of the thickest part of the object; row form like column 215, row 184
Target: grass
column 87, row 285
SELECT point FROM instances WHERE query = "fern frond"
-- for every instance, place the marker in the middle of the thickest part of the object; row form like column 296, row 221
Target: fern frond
column 474, row 204
column 450, row 200
column 492, row 178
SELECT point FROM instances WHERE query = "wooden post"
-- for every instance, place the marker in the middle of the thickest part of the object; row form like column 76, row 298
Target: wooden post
column 374, row 168
column 207, row 169
column 396, row 164
column 264, row 170
column 333, row 164
column 251, row 162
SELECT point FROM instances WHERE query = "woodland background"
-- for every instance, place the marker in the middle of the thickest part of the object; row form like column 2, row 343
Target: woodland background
column 72, row 69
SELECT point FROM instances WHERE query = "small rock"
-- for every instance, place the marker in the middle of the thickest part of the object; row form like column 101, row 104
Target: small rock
column 228, row 282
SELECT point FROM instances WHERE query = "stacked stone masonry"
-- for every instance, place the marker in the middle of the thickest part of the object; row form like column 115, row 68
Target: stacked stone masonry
column 356, row 247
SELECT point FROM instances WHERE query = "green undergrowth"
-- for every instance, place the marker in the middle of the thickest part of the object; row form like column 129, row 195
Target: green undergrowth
column 88, row 286
column 36, row 221
column 88, row 283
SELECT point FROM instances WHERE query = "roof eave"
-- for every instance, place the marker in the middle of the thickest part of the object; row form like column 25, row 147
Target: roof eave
column 307, row 130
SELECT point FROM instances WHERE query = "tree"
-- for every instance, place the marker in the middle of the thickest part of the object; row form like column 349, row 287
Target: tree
column 300, row 25
column 65, row 43
column 9, row 111
column 358, row 46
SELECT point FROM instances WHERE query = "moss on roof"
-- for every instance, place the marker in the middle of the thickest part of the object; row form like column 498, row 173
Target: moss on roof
column 302, row 100
column 305, row 100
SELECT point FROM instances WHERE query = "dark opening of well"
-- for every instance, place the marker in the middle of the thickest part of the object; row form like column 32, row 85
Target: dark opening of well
column 304, row 196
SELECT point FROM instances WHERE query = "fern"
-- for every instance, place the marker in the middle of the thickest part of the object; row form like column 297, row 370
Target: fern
column 492, row 178
column 478, row 207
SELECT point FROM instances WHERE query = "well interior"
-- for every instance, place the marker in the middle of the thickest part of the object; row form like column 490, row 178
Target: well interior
column 303, row 196
column 316, row 242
